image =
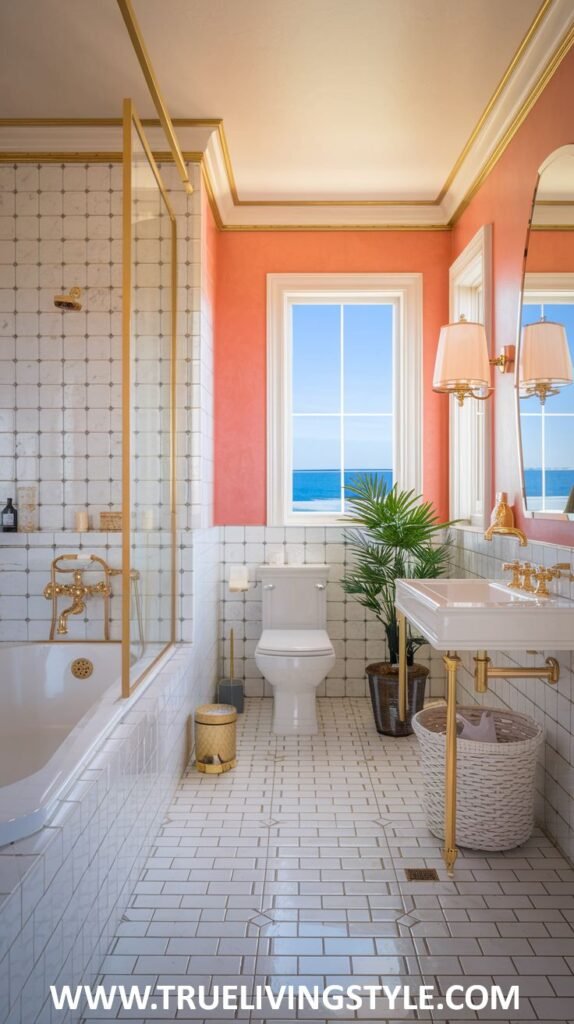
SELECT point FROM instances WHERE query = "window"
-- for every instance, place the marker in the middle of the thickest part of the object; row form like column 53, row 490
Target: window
column 470, row 280
column 547, row 430
column 344, row 389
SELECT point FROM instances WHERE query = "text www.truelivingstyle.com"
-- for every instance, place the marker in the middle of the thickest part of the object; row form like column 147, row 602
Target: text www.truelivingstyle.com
column 292, row 997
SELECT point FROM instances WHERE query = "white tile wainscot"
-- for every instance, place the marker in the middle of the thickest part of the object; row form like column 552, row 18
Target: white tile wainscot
column 551, row 706
column 63, row 891
column 358, row 638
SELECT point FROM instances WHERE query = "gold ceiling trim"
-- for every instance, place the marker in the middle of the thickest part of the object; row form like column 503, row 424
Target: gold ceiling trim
column 95, row 157
column 535, row 25
column 548, row 72
column 218, row 125
column 211, row 197
column 336, row 227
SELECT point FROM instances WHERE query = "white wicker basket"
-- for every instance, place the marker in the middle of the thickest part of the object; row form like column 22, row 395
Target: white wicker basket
column 495, row 781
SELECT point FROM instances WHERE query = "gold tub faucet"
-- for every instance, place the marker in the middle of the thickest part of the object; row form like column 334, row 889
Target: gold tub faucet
column 78, row 590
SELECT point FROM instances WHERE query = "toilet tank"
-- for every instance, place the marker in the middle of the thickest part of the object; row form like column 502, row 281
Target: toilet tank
column 294, row 596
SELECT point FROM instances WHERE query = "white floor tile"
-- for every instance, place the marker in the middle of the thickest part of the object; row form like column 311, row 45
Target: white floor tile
column 292, row 868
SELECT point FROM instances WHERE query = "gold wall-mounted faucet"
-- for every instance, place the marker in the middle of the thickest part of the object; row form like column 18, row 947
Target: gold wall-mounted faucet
column 78, row 590
column 508, row 531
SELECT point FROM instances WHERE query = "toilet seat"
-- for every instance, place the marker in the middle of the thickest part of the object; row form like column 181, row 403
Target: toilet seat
column 298, row 643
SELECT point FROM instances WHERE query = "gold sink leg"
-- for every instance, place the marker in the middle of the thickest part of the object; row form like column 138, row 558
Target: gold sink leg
column 450, row 852
column 402, row 628
column 482, row 662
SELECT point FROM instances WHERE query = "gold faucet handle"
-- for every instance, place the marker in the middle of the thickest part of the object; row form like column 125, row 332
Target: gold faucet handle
column 527, row 571
column 543, row 577
column 515, row 568
column 562, row 569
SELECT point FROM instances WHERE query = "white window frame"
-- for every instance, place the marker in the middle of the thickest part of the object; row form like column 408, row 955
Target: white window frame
column 404, row 291
column 541, row 289
column 470, row 294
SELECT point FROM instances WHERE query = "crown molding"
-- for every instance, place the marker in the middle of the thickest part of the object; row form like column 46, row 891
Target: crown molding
column 203, row 140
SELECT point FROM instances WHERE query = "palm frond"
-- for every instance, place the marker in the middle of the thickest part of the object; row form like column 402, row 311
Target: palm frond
column 395, row 535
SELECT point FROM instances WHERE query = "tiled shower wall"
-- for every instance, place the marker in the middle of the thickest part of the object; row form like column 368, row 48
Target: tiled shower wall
column 358, row 638
column 60, row 374
column 60, row 400
column 551, row 706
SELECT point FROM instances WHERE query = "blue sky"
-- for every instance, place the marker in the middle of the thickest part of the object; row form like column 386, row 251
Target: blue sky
column 367, row 356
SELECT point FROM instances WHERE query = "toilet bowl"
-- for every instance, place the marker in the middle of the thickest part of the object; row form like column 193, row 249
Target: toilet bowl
column 294, row 662
column 294, row 652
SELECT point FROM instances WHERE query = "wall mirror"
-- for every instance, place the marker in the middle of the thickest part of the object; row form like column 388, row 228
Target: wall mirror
column 544, row 384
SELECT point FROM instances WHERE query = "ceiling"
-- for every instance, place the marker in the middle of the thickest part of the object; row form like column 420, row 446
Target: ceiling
column 343, row 102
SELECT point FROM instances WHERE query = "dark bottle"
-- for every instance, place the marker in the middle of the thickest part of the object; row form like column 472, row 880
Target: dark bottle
column 9, row 518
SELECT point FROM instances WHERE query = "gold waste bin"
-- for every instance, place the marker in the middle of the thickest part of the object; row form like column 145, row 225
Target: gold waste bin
column 215, row 738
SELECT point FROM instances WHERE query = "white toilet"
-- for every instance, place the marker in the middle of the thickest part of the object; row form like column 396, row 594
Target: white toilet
column 294, row 652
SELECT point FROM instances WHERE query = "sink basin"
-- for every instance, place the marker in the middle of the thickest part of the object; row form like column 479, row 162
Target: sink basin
column 477, row 614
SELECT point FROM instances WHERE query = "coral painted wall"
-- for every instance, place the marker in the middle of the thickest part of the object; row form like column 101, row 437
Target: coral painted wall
column 243, row 261
column 505, row 200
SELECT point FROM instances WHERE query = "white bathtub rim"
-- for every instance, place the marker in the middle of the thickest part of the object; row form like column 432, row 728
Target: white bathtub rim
column 106, row 713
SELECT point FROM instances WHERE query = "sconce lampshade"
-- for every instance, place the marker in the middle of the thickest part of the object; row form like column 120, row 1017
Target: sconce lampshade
column 462, row 358
column 544, row 357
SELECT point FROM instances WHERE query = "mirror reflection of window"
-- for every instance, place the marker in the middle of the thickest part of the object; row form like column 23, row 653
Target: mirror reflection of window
column 547, row 427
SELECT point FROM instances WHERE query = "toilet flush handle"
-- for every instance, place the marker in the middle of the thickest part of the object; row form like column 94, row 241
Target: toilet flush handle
column 320, row 586
column 269, row 586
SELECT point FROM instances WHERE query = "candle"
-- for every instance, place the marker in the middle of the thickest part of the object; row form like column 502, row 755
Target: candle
column 148, row 519
column 82, row 524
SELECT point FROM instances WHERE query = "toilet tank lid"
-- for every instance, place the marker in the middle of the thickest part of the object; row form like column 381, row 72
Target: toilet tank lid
column 294, row 641
column 306, row 569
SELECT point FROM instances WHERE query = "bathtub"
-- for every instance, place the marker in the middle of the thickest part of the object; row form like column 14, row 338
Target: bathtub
column 50, row 723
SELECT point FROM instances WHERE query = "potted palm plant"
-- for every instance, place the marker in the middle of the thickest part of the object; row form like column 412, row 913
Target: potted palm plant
column 396, row 535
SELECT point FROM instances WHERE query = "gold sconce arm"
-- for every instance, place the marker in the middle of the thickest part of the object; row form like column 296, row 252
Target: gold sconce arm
column 505, row 360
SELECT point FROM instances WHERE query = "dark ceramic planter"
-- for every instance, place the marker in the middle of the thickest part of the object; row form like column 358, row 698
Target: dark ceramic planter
column 384, row 688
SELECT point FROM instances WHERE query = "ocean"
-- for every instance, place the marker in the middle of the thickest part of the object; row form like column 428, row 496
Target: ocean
column 559, row 482
column 319, row 490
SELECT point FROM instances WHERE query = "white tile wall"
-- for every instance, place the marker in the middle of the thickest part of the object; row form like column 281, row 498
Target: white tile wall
column 60, row 373
column 552, row 706
column 60, row 400
column 357, row 636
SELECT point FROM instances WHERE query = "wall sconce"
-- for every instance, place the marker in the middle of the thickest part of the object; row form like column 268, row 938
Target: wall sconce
column 545, row 362
column 462, row 366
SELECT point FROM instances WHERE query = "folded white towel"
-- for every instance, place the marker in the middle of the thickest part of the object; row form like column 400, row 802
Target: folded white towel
column 483, row 731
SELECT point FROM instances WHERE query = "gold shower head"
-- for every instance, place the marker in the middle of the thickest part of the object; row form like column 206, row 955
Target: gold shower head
column 70, row 301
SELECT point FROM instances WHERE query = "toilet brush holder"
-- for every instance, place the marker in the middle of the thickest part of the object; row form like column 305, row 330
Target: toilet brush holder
column 230, row 690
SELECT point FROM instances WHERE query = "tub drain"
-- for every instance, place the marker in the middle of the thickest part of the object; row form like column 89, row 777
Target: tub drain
column 82, row 668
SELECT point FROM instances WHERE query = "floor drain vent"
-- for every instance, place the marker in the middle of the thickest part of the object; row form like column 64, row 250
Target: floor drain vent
column 421, row 875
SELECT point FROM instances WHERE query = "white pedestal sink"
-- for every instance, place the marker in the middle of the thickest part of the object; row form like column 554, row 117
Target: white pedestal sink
column 480, row 615
column 474, row 614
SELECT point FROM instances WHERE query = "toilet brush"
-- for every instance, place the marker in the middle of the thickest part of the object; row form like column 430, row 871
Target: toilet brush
column 230, row 691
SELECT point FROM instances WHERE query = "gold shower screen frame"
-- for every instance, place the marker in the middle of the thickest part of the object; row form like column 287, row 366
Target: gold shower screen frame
column 132, row 122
